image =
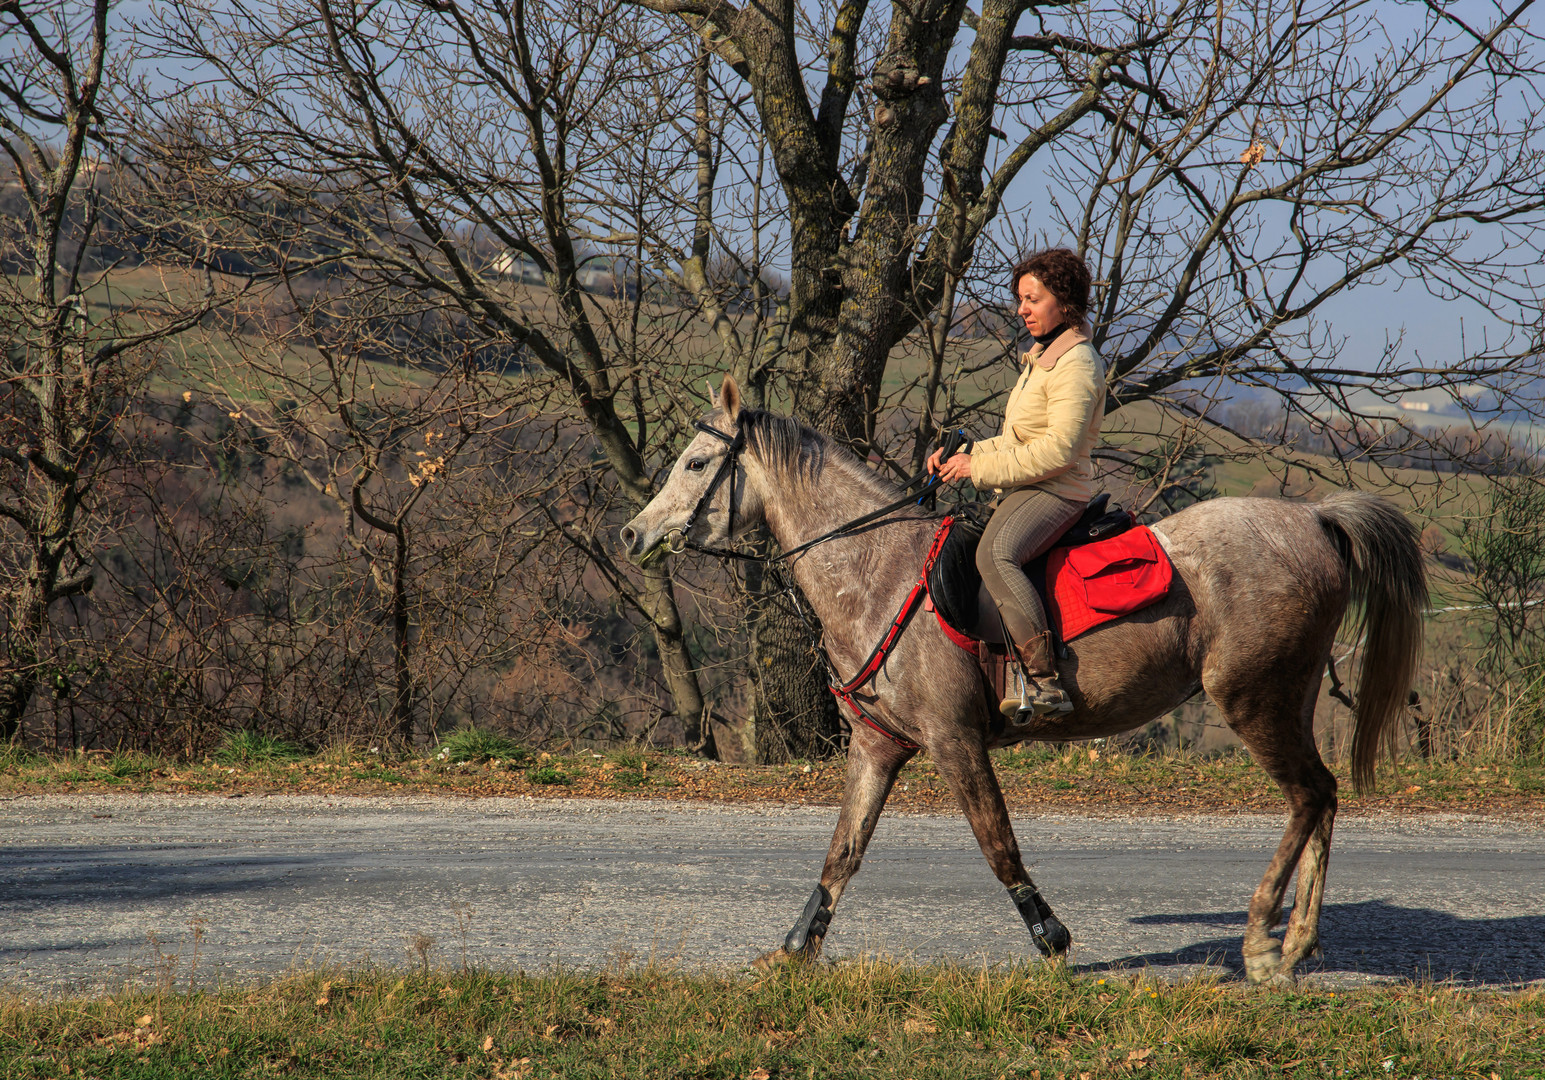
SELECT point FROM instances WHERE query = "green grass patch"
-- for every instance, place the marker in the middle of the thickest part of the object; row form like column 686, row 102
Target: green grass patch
column 476, row 745
column 124, row 766
column 255, row 748
column 1074, row 777
column 13, row 756
column 379, row 772
column 627, row 768
column 860, row 1019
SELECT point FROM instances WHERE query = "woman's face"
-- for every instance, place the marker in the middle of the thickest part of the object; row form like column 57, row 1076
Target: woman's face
column 1037, row 307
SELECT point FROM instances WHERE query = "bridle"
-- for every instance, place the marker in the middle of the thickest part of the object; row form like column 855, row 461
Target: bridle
column 678, row 541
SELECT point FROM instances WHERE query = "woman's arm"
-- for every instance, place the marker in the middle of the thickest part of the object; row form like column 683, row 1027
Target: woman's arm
column 1073, row 392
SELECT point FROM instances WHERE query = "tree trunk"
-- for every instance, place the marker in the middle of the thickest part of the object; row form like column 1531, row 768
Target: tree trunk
column 675, row 660
column 795, row 715
column 23, row 653
column 402, row 643
column 52, row 527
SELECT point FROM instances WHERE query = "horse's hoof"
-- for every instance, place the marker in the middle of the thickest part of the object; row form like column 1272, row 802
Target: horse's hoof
column 1264, row 966
column 781, row 958
column 771, row 961
column 1284, row 979
column 810, row 930
column 1054, row 939
column 1046, row 930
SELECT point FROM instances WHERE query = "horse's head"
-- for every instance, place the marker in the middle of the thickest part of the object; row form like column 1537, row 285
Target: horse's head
column 707, row 482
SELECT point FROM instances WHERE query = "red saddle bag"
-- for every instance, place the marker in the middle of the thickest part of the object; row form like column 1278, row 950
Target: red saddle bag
column 1095, row 583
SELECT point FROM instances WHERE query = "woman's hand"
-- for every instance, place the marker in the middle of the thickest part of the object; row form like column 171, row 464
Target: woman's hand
column 956, row 468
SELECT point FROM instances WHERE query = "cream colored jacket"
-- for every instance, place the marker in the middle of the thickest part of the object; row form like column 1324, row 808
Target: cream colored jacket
column 1051, row 425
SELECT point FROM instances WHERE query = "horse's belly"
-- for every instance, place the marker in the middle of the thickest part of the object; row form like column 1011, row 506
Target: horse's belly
column 1127, row 673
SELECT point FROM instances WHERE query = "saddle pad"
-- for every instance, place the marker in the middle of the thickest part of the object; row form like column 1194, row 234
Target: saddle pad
column 1095, row 583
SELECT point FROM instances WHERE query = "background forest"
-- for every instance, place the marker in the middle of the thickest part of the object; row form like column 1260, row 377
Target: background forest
column 339, row 339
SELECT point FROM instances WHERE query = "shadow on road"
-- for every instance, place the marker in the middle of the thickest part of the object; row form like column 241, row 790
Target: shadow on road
column 1375, row 937
column 115, row 873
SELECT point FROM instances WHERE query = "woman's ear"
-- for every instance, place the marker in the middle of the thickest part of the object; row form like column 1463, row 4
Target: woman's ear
column 729, row 399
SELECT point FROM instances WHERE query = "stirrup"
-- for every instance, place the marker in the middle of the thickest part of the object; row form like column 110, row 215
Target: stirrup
column 1047, row 698
column 1013, row 703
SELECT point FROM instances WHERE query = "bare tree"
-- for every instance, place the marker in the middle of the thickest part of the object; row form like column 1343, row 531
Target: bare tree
column 373, row 430
column 506, row 144
column 77, row 349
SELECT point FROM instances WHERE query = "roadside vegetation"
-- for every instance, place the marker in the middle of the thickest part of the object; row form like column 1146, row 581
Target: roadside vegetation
column 860, row 1019
column 476, row 763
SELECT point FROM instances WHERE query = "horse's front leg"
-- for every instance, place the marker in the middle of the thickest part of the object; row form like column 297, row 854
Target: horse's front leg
column 873, row 762
column 967, row 769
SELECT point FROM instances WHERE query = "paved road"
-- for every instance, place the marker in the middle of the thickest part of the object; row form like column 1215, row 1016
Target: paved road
column 283, row 881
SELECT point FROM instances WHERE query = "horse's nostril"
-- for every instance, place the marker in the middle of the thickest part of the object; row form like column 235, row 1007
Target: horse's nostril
column 629, row 537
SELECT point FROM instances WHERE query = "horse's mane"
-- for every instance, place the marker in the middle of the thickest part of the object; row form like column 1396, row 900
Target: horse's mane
column 805, row 453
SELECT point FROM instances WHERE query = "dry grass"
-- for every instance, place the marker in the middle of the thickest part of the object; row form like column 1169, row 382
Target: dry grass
column 860, row 1019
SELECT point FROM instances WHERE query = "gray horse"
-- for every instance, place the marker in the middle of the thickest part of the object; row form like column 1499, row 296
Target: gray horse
column 1260, row 589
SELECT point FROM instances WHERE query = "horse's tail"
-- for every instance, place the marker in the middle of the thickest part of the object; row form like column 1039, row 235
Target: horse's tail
column 1389, row 585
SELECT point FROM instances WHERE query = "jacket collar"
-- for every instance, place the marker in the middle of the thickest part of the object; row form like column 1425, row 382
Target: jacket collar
column 1047, row 357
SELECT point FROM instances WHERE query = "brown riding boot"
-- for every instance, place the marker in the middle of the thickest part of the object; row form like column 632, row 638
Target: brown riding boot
column 1042, row 695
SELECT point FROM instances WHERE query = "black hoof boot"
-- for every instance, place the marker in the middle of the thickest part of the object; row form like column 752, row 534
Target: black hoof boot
column 1050, row 936
column 812, row 924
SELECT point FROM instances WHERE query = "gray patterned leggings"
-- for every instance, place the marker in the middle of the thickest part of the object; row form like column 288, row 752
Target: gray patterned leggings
column 1026, row 523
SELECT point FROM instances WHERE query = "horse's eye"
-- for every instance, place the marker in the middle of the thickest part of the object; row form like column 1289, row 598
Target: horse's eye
column 697, row 464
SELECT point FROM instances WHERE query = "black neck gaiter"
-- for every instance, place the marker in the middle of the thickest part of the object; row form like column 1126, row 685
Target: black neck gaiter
column 1046, row 339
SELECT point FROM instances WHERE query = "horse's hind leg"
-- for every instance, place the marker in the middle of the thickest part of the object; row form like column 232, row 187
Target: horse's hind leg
column 1303, row 929
column 873, row 762
column 965, row 766
column 1279, row 733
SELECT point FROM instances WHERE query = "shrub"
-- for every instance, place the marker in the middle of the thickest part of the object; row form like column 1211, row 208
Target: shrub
column 476, row 745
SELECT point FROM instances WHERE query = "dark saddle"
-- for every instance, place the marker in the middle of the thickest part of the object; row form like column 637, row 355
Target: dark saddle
column 963, row 604
column 955, row 584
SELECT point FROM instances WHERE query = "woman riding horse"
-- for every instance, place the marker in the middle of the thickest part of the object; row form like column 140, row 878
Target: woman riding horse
column 1040, row 465
column 1260, row 589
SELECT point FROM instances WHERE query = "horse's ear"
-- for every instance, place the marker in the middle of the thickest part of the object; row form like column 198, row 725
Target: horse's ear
column 729, row 399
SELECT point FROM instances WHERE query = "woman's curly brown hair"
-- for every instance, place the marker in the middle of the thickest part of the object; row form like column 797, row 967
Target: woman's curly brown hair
column 1064, row 275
